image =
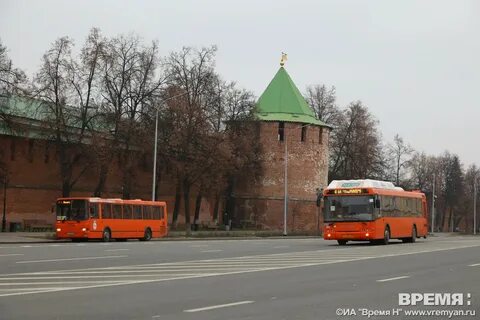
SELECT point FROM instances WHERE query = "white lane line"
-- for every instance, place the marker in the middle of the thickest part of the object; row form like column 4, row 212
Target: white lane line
column 474, row 265
column 117, row 249
column 27, row 246
column 71, row 259
column 205, row 251
column 219, row 306
column 281, row 247
column 55, row 282
column 11, row 254
column 393, row 279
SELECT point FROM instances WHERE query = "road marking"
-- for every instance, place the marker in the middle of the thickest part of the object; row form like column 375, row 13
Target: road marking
column 281, row 247
column 55, row 282
column 71, row 259
column 117, row 249
column 11, row 254
column 393, row 279
column 220, row 306
column 205, row 251
column 474, row 265
column 215, row 267
column 27, row 246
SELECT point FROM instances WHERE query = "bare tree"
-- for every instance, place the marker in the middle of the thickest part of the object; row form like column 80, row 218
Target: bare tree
column 356, row 147
column 399, row 154
column 131, row 82
column 10, row 78
column 12, row 82
column 191, row 71
column 66, row 122
column 324, row 103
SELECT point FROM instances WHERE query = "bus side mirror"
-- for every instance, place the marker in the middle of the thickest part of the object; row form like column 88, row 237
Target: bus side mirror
column 377, row 203
column 319, row 197
column 52, row 209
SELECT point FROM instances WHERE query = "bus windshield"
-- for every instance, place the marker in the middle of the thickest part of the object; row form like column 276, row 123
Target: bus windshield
column 349, row 208
column 72, row 210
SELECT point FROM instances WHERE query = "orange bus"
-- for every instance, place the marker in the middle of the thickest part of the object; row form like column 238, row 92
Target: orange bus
column 375, row 211
column 107, row 219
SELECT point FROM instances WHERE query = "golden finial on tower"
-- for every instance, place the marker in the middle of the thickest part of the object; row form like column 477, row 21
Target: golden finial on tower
column 284, row 58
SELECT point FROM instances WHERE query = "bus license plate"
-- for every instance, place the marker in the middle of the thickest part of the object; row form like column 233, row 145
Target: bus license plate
column 71, row 233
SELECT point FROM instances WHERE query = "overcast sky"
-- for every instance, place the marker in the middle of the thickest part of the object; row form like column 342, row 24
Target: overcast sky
column 415, row 64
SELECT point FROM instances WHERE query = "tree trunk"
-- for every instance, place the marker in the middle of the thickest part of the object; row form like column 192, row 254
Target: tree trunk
column 186, row 200
column 157, row 181
column 230, row 201
column 176, row 207
column 198, row 204
column 102, row 180
column 216, row 207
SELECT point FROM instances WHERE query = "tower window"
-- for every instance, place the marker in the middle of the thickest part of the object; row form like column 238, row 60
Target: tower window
column 320, row 135
column 281, row 131
column 304, row 133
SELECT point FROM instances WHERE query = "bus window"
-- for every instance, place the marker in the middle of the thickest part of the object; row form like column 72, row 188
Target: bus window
column 117, row 211
column 72, row 210
column 387, row 206
column 147, row 212
column 93, row 210
column 156, row 213
column 162, row 212
column 127, row 211
column 107, row 211
column 137, row 212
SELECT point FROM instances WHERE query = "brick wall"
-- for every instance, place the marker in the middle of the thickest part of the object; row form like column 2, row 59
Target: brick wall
column 34, row 182
column 262, row 200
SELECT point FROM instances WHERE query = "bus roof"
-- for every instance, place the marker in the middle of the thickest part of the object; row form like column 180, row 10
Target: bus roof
column 113, row 200
column 365, row 183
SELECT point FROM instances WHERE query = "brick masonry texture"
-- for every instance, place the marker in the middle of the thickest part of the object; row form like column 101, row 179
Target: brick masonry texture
column 261, row 202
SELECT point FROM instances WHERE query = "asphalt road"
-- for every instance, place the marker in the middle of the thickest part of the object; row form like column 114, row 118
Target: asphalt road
column 234, row 279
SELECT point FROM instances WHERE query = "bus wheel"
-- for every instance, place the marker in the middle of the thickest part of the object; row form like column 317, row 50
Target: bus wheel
column 107, row 235
column 342, row 242
column 414, row 234
column 386, row 236
column 147, row 236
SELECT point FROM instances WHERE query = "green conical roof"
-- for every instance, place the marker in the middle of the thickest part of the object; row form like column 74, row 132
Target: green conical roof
column 282, row 101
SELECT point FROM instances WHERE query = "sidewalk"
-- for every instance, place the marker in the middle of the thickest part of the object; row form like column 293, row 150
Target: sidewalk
column 27, row 237
column 45, row 237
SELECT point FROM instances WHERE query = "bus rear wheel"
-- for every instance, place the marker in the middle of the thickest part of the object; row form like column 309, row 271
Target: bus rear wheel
column 342, row 242
column 414, row 234
column 386, row 236
column 147, row 236
column 106, row 235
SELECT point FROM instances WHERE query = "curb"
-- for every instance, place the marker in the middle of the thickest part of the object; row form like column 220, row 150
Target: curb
column 51, row 239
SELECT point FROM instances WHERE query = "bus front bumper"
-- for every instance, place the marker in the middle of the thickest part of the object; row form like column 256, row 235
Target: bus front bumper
column 351, row 235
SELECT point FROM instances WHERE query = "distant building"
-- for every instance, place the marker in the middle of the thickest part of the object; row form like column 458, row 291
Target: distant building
column 287, row 128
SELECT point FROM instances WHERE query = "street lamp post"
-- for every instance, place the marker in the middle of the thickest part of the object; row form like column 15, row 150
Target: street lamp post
column 154, row 178
column 433, row 205
column 155, row 157
column 286, row 185
column 475, row 205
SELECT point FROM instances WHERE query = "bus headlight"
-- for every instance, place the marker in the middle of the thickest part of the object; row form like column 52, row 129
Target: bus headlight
column 58, row 229
column 84, row 229
column 367, row 234
column 329, row 235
